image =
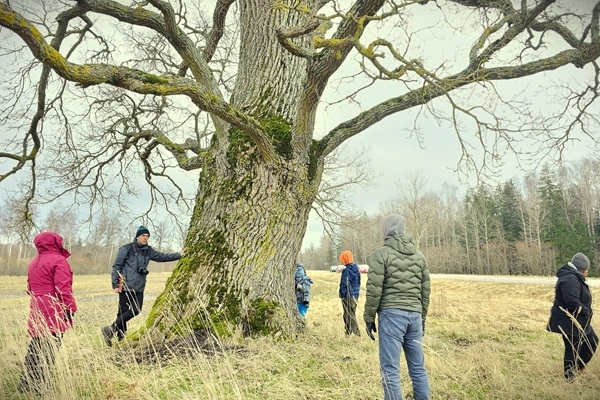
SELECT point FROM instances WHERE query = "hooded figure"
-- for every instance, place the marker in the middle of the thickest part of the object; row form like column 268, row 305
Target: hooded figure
column 302, row 289
column 398, row 290
column 571, row 315
column 50, row 285
column 51, row 309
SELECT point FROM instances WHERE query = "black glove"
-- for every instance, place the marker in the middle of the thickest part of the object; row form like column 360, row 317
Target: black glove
column 585, row 312
column 305, row 303
column 423, row 327
column 68, row 316
column 371, row 328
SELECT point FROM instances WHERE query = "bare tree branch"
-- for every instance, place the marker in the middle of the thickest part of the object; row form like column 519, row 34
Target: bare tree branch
column 218, row 27
column 135, row 80
column 330, row 59
column 435, row 87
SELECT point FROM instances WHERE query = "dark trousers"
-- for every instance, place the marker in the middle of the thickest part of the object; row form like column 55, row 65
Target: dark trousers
column 350, row 323
column 578, row 352
column 130, row 305
column 39, row 361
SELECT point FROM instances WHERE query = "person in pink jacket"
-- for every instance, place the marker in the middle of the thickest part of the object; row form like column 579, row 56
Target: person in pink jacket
column 51, row 308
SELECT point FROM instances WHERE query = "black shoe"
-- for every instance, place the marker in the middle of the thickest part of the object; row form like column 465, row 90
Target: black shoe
column 107, row 334
column 24, row 387
column 570, row 378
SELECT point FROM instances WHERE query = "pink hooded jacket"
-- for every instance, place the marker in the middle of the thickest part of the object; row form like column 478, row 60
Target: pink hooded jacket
column 50, row 285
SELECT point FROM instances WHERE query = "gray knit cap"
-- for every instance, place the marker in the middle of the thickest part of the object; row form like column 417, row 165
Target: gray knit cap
column 393, row 225
column 581, row 262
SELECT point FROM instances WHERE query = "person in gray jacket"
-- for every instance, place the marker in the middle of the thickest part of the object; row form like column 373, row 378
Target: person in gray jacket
column 398, row 291
column 129, row 280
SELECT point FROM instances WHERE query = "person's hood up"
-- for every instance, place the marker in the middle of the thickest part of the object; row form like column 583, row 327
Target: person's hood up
column 404, row 244
column 393, row 224
column 300, row 271
column 50, row 242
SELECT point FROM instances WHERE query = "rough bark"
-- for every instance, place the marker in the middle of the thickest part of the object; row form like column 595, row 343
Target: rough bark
column 251, row 213
column 232, row 281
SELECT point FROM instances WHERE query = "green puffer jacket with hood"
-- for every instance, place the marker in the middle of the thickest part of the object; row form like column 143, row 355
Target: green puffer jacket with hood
column 398, row 274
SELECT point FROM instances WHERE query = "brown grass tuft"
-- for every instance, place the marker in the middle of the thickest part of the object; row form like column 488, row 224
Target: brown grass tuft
column 483, row 341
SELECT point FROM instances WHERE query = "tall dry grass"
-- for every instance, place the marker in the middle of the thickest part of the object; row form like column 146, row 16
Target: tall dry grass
column 483, row 341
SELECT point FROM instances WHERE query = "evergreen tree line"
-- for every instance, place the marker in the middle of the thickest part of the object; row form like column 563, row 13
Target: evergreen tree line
column 516, row 228
column 527, row 227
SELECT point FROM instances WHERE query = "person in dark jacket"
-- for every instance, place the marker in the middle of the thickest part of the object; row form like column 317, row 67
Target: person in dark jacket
column 51, row 309
column 349, row 292
column 129, row 280
column 398, row 289
column 571, row 315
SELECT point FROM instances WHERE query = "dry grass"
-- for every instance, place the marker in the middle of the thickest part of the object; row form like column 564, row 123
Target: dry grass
column 483, row 341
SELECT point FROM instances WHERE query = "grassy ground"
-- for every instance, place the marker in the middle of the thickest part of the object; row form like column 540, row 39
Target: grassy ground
column 483, row 341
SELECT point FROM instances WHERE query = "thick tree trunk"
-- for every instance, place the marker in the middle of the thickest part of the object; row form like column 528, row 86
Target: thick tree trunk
column 232, row 281
column 270, row 80
column 251, row 214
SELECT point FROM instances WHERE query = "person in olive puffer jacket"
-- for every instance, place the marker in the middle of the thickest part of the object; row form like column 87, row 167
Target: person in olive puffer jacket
column 398, row 289
column 573, row 302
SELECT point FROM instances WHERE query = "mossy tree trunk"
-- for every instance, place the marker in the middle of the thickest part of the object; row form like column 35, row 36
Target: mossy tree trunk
column 251, row 213
column 246, row 231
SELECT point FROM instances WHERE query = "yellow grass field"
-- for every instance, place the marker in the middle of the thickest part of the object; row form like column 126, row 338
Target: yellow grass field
column 483, row 341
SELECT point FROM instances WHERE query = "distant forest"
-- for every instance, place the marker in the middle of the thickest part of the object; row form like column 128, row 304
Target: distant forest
column 529, row 227
column 515, row 228
column 93, row 244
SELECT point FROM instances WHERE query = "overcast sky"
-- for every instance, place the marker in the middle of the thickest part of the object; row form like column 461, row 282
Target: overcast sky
column 392, row 152
column 441, row 40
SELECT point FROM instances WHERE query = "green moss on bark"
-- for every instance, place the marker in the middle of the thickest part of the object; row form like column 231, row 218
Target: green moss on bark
column 264, row 317
column 225, row 300
column 221, row 304
column 313, row 160
column 240, row 144
column 280, row 131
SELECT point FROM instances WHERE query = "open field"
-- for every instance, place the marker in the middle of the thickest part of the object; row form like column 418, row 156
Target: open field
column 484, row 340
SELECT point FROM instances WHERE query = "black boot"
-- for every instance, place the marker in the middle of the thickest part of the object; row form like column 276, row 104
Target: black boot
column 107, row 333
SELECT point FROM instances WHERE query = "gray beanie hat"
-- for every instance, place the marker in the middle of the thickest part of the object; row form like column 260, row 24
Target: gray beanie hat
column 393, row 224
column 581, row 262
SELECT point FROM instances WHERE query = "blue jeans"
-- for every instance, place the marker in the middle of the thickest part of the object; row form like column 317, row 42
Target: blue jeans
column 400, row 329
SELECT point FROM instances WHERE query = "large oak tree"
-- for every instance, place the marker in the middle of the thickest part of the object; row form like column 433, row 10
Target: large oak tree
column 236, row 97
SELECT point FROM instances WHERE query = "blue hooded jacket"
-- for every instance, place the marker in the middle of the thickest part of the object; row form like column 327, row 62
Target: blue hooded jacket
column 350, row 281
column 302, row 285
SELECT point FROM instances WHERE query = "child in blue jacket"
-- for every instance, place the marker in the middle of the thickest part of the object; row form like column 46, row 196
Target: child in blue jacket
column 302, row 288
column 349, row 292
